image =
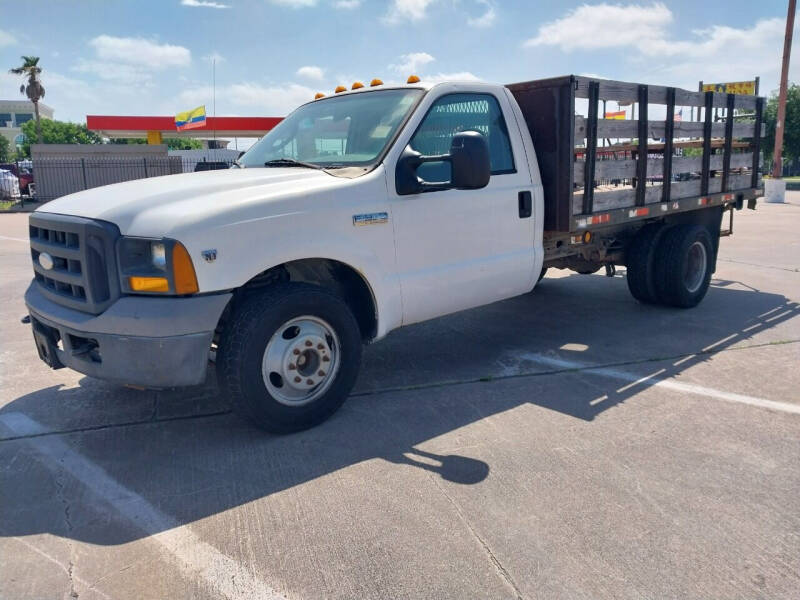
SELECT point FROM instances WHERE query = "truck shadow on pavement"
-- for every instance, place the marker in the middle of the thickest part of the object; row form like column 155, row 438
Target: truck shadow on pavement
column 108, row 465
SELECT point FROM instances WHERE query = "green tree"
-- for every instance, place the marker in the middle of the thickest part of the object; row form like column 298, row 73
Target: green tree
column 33, row 88
column 57, row 132
column 5, row 149
column 791, row 129
column 172, row 143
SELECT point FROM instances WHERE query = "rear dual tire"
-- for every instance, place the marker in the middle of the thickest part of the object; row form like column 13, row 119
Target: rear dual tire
column 670, row 266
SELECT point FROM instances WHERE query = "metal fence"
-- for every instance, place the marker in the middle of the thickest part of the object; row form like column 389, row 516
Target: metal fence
column 46, row 179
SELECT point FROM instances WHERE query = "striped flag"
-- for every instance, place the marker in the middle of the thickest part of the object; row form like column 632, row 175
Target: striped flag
column 191, row 119
column 618, row 115
column 679, row 116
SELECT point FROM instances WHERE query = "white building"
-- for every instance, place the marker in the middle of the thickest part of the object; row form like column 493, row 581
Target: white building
column 13, row 113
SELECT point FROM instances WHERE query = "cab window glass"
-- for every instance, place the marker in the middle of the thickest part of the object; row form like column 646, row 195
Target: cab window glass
column 452, row 114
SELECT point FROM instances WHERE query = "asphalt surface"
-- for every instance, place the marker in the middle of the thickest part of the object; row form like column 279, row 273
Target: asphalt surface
column 570, row 443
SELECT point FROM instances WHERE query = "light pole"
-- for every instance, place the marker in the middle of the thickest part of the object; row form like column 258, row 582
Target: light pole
column 777, row 167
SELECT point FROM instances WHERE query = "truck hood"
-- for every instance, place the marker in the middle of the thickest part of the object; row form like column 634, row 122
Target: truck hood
column 159, row 205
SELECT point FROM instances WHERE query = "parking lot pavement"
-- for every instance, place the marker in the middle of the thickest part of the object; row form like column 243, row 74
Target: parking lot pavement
column 567, row 443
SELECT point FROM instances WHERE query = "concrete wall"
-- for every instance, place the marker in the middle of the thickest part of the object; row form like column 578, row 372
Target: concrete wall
column 61, row 169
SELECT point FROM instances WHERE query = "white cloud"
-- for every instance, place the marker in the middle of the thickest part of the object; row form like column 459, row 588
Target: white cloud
column 412, row 63
column 347, row 4
column 142, row 52
column 204, row 4
column 311, row 72
column 487, row 18
column 113, row 72
column 458, row 76
column 702, row 54
column 271, row 100
column 605, row 26
column 294, row 3
column 407, row 10
column 6, row 39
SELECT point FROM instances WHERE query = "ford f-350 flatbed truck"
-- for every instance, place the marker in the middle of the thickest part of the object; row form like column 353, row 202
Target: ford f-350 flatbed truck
column 377, row 208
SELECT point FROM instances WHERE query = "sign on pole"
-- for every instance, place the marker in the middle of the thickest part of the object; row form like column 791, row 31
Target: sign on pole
column 749, row 88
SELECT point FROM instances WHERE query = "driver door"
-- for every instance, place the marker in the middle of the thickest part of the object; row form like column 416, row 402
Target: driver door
column 457, row 249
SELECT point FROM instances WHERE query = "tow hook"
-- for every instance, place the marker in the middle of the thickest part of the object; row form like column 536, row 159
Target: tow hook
column 25, row 320
column 611, row 270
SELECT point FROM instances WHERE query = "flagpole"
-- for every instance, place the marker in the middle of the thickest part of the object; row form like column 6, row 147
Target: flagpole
column 214, row 100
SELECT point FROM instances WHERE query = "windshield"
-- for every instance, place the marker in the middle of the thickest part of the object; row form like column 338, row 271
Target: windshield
column 344, row 131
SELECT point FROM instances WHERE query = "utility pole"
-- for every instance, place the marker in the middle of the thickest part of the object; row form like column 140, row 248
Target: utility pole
column 777, row 167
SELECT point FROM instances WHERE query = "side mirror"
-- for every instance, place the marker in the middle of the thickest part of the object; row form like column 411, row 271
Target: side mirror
column 469, row 159
column 469, row 162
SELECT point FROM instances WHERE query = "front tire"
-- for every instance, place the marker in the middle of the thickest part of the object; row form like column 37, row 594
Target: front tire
column 289, row 356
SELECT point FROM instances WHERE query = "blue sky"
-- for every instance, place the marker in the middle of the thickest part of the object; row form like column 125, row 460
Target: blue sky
column 153, row 57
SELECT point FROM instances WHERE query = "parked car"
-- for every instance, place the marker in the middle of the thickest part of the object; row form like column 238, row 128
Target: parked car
column 9, row 185
column 23, row 173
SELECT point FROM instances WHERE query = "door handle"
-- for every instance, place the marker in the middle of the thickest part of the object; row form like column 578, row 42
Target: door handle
column 525, row 205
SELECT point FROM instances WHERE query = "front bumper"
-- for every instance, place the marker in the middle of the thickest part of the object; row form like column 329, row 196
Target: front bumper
column 139, row 340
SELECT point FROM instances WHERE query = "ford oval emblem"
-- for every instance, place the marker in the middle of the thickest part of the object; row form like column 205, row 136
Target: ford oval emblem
column 46, row 261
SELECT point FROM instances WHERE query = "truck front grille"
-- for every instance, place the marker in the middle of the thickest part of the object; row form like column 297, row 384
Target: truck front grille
column 79, row 269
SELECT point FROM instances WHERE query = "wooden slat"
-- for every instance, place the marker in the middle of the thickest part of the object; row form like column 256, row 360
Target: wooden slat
column 625, row 197
column 614, row 128
column 657, row 147
column 621, row 91
column 626, row 168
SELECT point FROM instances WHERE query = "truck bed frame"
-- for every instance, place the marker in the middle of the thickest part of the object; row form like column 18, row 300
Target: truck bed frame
column 573, row 167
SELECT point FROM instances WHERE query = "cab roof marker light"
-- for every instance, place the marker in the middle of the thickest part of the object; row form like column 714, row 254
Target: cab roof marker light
column 375, row 82
column 318, row 95
column 412, row 79
column 357, row 85
column 339, row 89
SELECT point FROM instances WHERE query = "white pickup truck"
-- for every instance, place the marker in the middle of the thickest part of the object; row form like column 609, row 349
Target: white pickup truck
column 377, row 208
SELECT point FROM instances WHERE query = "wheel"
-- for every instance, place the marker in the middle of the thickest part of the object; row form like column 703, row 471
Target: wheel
column 639, row 260
column 289, row 356
column 684, row 262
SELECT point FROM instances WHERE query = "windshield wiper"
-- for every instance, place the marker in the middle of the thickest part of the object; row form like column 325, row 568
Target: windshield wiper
column 290, row 162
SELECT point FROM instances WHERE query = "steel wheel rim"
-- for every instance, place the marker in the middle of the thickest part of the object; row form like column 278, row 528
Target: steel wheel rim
column 301, row 360
column 696, row 265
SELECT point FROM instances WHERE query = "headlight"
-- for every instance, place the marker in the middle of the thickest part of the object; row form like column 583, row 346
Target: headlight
column 149, row 266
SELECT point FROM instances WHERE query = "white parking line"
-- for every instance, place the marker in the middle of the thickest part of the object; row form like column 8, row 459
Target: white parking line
column 654, row 380
column 15, row 239
column 224, row 576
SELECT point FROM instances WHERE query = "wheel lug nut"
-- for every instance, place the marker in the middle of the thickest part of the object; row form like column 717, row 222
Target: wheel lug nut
column 308, row 343
column 325, row 359
column 310, row 381
column 295, row 351
column 292, row 367
column 320, row 347
column 321, row 373
column 297, row 380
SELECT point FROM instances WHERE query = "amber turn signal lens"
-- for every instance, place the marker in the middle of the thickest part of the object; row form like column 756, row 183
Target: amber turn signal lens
column 357, row 85
column 375, row 82
column 148, row 284
column 319, row 95
column 339, row 89
column 183, row 271
column 412, row 79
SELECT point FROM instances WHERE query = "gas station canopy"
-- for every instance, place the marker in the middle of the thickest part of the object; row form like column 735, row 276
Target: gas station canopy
column 156, row 128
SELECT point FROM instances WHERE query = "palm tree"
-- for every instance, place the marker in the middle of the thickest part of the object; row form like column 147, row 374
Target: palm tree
column 33, row 89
